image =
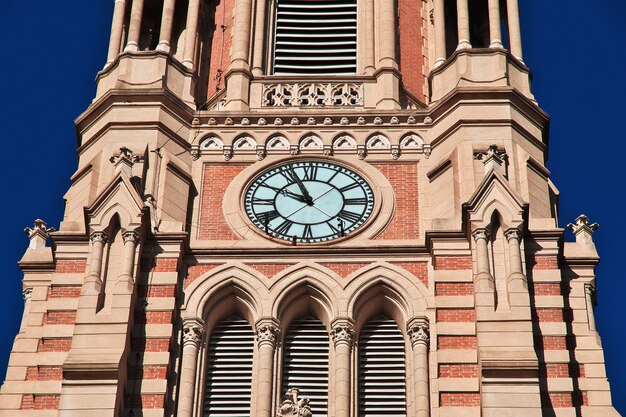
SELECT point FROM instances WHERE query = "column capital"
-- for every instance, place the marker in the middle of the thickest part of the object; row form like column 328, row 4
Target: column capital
column 419, row 332
column 193, row 329
column 131, row 236
column 342, row 332
column 479, row 234
column 513, row 233
column 99, row 237
column 267, row 332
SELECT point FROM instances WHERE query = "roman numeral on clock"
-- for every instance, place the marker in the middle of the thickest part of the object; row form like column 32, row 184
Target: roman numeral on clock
column 350, row 187
column 268, row 216
column 310, row 173
column 355, row 201
column 349, row 216
column 263, row 201
column 308, row 233
column 283, row 228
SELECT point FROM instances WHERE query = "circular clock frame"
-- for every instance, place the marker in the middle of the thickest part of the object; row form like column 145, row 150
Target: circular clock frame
column 309, row 201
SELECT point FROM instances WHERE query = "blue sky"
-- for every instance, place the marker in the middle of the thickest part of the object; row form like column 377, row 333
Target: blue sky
column 52, row 51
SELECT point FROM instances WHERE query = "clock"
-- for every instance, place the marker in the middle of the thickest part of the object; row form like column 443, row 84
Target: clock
column 308, row 201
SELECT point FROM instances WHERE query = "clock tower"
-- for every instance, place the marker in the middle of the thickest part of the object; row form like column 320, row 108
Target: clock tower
column 326, row 208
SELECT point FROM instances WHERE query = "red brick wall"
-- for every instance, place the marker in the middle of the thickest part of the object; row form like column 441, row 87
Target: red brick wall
column 64, row 291
column 156, row 291
column 411, row 47
column 554, row 315
column 453, row 263
column 150, row 345
column 216, row 179
column 419, row 269
column 148, row 372
column 194, row 271
column 145, row 401
column 458, row 370
column 544, row 262
column 553, row 342
column 59, row 317
column 61, row 344
column 562, row 370
column 460, row 399
column 405, row 221
column 44, row 373
column 220, row 38
column 457, row 342
column 454, row 288
column 67, row 266
column 343, row 269
column 159, row 264
column 153, row 317
column 456, row 315
column 547, row 289
column 40, row 402
column 269, row 270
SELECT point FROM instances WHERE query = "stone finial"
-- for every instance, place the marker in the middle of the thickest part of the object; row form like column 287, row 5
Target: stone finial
column 583, row 230
column 493, row 159
column 293, row 406
column 38, row 234
column 124, row 161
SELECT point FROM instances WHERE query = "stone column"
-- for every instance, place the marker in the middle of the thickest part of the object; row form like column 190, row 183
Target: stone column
column 370, row 47
column 387, row 31
column 117, row 28
column 266, row 336
column 241, row 35
column 342, row 334
column 259, row 38
column 517, row 279
column 589, row 290
column 27, row 294
column 495, row 32
column 134, row 30
column 93, row 281
column 463, row 22
column 515, row 35
column 419, row 335
column 191, row 33
column 484, row 280
column 167, row 21
column 125, row 278
column 440, row 32
column 193, row 330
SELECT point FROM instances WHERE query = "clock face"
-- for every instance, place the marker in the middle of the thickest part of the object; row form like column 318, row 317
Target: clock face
column 309, row 201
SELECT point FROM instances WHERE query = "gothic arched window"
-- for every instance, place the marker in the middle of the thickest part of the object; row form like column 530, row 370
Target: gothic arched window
column 229, row 369
column 315, row 37
column 305, row 362
column 382, row 378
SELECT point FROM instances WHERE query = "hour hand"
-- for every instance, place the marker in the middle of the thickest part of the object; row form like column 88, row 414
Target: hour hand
column 291, row 194
column 303, row 189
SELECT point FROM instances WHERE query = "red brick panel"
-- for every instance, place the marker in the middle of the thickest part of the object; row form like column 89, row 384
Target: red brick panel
column 405, row 221
column 457, row 342
column 460, row 399
column 554, row 315
column 556, row 400
column 67, row 266
column 159, row 264
column 269, row 270
column 59, row 317
column 547, row 289
column 61, row 344
column 553, row 342
column 458, row 370
column 156, row 291
column 194, row 271
column 419, row 269
column 454, row 288
column 145, row 401
column 148, row 372
column 150, row 345
column 545, row 262
column 64, row 291
column 44, row 373
column 344, row 269
column 453, row 263
column 217, row 177
column 153, row 317
column 40, row 402
column 411, row 45
column 562, row 370
column 221, row 41
column 456, row 315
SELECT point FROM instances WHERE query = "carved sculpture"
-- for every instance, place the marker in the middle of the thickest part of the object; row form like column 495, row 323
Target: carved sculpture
column 293, row 406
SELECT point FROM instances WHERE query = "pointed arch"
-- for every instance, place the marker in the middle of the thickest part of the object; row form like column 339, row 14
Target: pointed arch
column 210, row 143
column 277, row 143
column 411, row 141
column 310, row 142
column 378, row 141
column 244, row 143
column 344, row 141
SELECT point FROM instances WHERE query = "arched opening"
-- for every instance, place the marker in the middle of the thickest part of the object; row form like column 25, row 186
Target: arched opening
column 305, row 362
column 228, row 386
column 499, row 262
column 382, row 377
column 112, row 263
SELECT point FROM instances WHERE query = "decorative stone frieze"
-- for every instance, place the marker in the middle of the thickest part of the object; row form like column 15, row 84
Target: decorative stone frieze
column 312, row 94
column 293, row 405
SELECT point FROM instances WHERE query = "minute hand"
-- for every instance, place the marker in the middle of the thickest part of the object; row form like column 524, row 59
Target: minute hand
column 305, row 192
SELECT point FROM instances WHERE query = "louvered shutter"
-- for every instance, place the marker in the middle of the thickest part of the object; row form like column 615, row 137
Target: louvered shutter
column 229, row 369
column 382, row 380
column 305, row 364
column 315, row 37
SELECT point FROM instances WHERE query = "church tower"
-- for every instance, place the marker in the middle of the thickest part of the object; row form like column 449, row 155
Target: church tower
column 327, row 208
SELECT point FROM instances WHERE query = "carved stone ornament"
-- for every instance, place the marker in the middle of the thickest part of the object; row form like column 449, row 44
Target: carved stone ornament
column 192, row 333
column 479, row 234
column 428, row 120
column 131, row 236
column 311, row 121
column 195, row 154
column 427, row 151
column 583, row 230
column 342, row 333
column 100, row 237
column 312, row 94
column 419, row 333
column 295, row 150
column 228, row 153
column 360, row 121
column 278, row 121
column 245, row 121
column 328, row 121
column 294, row 406
column 411, row 120
column 328, row 150
column 267, row 333
column 38, row 234
column 361, row 152
column 395, row 152
column 126, row 155
column 260, row 153
column 27, row 294
column 344, row 121
column 262, row 121
column 378, row 121
column 513, row 233
column 228, row 121
column 212, row 121
column 394, row 120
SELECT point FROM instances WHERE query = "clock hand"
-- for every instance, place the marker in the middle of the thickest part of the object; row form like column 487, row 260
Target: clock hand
column 293, row 195
column 305, row 192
